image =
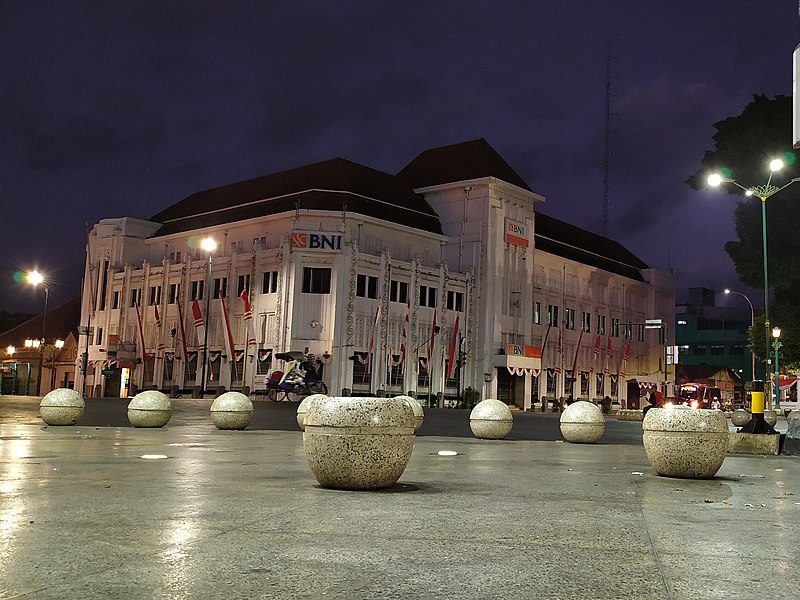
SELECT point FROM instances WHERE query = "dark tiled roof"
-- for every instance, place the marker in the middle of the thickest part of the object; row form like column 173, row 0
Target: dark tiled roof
column 333, row 185
column 573, row 243
column 61, row 320
column 704, row 371
column 459, row 162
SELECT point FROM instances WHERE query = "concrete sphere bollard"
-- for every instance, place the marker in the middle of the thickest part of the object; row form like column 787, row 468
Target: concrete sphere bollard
column 771, row 417
column 491, row 420
column 149, row 409
column 685, row 442
column 582, row 423
column 303, row 408
column 232, row 410
column 358, row 443
column 62, row 406
column 795, row 414
column 419, row 414
column 740, row 417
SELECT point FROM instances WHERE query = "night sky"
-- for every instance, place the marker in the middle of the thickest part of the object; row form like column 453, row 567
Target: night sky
column 123, row 108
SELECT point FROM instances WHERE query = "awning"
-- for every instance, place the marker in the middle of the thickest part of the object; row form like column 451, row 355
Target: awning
column 518, row 365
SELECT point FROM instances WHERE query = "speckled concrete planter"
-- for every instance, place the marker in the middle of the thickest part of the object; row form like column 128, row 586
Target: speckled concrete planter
column 149, row 409
column 685, row 442
column 582, row 423
column 303, row 408
column 740, row 417
column 771, row 417
column 358, row 443
column 491, row 420
column 419, row 414
column 61, row 406
column 232, row 410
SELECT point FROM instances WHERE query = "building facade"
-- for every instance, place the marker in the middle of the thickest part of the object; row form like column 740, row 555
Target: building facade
column 439, row 278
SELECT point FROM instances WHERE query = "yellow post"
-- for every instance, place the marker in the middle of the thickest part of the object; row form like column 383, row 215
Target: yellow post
column 757, row 403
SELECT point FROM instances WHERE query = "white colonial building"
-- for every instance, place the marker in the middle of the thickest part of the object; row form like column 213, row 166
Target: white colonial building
column 386, row 279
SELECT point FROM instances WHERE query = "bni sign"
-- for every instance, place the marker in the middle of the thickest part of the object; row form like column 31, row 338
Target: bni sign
column 316, row 240
column 516, row 233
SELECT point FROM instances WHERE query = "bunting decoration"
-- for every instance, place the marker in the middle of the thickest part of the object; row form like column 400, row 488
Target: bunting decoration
column 264, row 355
column 199, row 325
column 625, row 357
column 248, row 320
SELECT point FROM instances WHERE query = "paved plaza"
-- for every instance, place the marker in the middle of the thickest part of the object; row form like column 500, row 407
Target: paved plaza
column 189, row 511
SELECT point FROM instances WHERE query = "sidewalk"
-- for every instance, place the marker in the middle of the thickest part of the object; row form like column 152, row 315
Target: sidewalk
column 238, row 515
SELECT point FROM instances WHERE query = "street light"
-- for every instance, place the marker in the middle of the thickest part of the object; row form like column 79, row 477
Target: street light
column 209, row 245
column 752, row 322
column 776, row 344
column 35, row 278
column 762, row 192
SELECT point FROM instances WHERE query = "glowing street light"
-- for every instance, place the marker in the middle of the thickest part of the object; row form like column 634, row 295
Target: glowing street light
column 35, row 279
column 209, row 245
column 762, row 192
column 776, row 345
column 752, row 322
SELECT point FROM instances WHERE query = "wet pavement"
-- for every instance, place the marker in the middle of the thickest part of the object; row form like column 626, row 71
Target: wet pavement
column 188, row 511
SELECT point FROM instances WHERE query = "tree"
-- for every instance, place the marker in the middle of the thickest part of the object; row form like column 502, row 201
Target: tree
column 743, row 146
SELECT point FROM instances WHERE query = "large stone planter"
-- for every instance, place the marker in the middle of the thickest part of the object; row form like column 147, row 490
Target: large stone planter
column 62, row 406
column 419, row 414
column 303, row 409
column 740, row 417
column 358, row 443
column 685, row 442
column 582, row 423
column 232, row 410
column 149, row 409
column 491, row 420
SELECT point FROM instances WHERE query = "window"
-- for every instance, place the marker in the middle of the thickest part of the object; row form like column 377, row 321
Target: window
column 737, row 349
column 640, row 333
column 115, row 300
column 552, row 314
column 700, row 350
column 242, row 284
column 627, row 330
column 99, row 339
column 601, row 324
column 197, row 289
column 537, row 312
column 316, row 280
column 427, row 296
column 366, row 286
column 455, row 301
column 586, row 322
column 175, row 257
column 717, row 349
column 154, row 297
column 569, row 318
column 136, row 297
column 614, row 327
column 269, row 282
column 220, row 287
column 398, row 291
column 173, row 292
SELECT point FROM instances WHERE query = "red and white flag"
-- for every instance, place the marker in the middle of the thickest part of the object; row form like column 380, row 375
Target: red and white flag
column 142, row 350
column 183, row 333
column 160, row 346
column 451, row 358
column 248, row 320
column 403, row 336
column 372, row 337
column 597, row 343
column 625, row 357
column 228, row 342
column 433, row 341
column 609, row 354
column 199, row 325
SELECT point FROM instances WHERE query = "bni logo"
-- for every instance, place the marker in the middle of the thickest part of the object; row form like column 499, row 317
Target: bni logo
column 316, row 241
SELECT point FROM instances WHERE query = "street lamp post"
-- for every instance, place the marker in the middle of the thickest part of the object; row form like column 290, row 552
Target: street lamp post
column 762, row 192
column 209, row 245
column 35, row 278
column 752, row 322
column 776, row 345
